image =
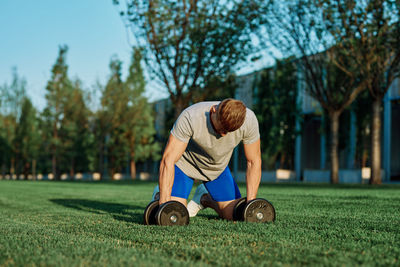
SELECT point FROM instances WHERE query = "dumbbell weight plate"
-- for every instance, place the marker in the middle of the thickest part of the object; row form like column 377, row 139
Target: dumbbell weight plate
column 150, row 213
column 259, row 210
column 172, row 213
column 239, row 209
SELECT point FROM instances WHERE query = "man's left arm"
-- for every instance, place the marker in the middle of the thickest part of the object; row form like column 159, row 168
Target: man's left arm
column 253, row 173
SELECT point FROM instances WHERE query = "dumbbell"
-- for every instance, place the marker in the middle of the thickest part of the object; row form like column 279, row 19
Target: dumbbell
column 169, row 213
column 257, row 210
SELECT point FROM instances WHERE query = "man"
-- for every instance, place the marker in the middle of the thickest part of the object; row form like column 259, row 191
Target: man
column 199, row 148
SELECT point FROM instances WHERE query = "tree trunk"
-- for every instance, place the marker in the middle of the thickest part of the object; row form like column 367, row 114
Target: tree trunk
column 282, row 161
column 113, row 168
column 27, row 167
column 54, row 156
column 3, row 170
column 334, row 116
column 133, row 169
column 12, row 167
column 179, row 106
column 72, row 170
column 112, row 173
column 101, row 160
column 132, row 162
column 54, row 165
column 15, row 165
column 34, row 169
column 376, row 142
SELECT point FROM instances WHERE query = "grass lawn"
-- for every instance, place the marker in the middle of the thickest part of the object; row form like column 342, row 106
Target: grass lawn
column 81, row 224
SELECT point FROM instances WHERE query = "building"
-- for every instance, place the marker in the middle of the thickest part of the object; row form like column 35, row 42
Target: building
column 311, row 156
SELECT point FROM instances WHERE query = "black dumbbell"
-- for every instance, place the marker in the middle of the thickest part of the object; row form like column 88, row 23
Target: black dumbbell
column 257, row 210
column 169, row 213
column 150, row 211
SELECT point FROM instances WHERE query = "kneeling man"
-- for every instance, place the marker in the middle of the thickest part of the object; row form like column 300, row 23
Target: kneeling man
column 199, row 148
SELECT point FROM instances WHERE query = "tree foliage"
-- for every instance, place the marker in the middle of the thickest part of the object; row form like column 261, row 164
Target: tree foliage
column 112, row 118
column 27, row 139
column 298, row 28
column 65, row 124
column 187, row 43
column 12, row 98
column 140, row 118
column 58, row 87
column 126, row 119
column 77, row 139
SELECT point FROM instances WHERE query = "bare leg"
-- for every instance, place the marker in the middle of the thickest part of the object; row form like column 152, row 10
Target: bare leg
column 181, row 200
column 224, row 208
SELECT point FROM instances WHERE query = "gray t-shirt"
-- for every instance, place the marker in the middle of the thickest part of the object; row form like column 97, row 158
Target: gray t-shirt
column 208, row 153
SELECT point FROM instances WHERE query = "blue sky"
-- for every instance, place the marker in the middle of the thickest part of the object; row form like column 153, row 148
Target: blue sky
column 32, row 31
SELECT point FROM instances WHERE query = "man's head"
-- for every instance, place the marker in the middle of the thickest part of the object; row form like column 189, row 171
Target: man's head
column 230, row 115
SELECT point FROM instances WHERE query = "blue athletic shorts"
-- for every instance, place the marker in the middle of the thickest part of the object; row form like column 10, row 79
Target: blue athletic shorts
column 224, row 188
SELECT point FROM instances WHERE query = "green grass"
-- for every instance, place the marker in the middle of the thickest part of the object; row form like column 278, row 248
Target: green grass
column 81, row 224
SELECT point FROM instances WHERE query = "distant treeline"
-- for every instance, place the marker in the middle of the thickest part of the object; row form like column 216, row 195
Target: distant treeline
column 77, row 132
column 346, row 56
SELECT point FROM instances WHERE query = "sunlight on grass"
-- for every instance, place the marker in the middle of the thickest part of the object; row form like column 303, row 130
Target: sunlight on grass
column 101, row 223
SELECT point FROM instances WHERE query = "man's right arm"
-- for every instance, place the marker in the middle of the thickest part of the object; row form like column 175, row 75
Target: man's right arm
column 173, row 152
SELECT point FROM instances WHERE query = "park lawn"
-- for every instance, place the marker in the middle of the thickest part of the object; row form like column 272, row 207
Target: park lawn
column 100, row 224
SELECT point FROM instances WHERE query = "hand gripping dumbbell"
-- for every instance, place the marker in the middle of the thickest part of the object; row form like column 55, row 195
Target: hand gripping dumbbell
column 257, row 210
column 169, row 213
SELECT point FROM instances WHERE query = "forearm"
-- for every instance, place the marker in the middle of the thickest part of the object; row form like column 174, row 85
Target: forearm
column 166, row 180
column 253, row 178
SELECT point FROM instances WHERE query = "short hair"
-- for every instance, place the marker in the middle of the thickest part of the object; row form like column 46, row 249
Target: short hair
column 231, row 114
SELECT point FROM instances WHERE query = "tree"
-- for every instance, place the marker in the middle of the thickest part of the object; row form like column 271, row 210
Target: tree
column 74, row 132
column 44, row 163
column 12, row 97
column 140, row 129
column 7, row 129
column 374, row 27
column 112, row 119
column 276, row 111
column 187, row 43
column 27, row 139
column 298, row 29
column 57, row 88
column 362, row 107
column 126, row 120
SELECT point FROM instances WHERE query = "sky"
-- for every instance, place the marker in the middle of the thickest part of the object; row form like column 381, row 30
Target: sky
column 32, row 31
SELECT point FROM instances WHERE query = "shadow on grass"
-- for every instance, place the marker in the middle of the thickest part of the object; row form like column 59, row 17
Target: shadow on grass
column 121, row 212
column 210, row 217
